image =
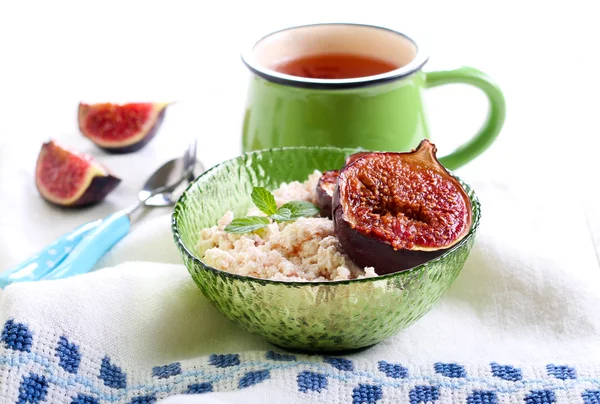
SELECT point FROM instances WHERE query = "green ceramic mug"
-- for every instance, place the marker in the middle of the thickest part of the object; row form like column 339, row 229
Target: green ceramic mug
column 379, row 112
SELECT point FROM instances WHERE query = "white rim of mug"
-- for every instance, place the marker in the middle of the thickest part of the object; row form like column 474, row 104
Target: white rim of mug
column 334, row 84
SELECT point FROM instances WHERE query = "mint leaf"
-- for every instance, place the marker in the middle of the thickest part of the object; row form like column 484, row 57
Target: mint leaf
column 247, row 224
column 300, row 209
column 264, row 200
column 282, row 215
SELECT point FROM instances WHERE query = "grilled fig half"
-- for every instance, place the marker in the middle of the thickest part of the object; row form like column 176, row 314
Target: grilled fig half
column 327, row 183
column 394, row 211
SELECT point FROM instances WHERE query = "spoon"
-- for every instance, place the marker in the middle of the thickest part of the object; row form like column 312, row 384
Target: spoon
column 78, row 251
column 168, row 173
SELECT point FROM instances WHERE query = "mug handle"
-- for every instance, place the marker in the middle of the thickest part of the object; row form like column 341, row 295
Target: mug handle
column 497, row 112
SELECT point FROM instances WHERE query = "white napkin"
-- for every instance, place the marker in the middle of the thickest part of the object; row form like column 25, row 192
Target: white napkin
column 521, row 322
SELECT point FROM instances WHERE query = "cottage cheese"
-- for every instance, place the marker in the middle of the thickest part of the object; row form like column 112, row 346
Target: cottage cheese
column 304, row 250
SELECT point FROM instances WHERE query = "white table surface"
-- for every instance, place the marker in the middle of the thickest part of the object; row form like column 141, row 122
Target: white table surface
column 52, row 55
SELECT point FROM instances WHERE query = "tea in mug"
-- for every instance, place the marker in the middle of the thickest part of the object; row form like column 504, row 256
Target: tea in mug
column 334, row 66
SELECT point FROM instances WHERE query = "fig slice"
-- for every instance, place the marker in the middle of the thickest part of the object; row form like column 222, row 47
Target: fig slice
column 325, row 188
column 327, row 183
column 67, row 178
column 121, row 128
column 394, row 211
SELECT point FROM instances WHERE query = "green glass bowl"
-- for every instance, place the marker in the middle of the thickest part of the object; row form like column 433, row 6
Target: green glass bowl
column 310, row 316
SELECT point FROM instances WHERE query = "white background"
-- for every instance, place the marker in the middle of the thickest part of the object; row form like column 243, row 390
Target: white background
column 544, row 55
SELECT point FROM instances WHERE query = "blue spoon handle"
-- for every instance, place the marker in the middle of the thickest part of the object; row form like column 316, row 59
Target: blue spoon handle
column 47, row 259
column 92, row 247
column 72, row 254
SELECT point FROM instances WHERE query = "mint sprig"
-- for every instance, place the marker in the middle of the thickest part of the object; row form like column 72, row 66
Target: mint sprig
column 265, row 202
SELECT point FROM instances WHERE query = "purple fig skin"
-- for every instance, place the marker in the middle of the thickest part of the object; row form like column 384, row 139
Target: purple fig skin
column 98, row 188
column 142, row 142
column 368, row 252
column 324, row 196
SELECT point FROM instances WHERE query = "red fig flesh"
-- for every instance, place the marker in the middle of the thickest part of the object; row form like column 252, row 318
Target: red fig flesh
column 68, row 178
column 327, row 183
column 393, row 211
column 121, row 128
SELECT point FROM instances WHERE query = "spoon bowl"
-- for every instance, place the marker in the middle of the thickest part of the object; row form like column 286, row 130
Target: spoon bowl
column 168, row 173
